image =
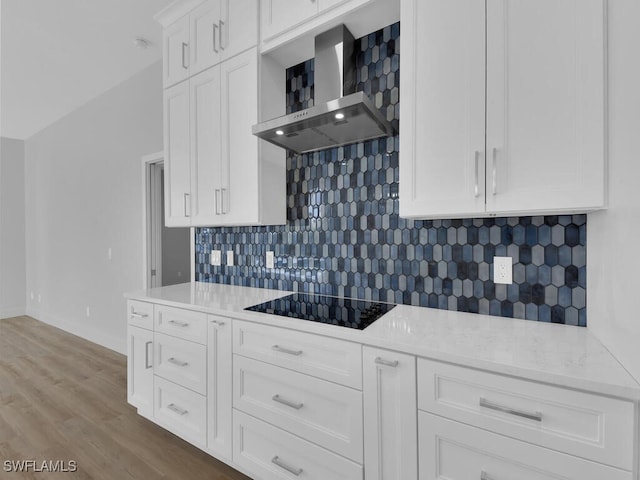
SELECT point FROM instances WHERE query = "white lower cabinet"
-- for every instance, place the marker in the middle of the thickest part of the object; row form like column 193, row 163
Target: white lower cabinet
column 455, row 451
column 219, row 387
column 281, row 404
column 140, row 369
column 180, row 410
column 390, row 415
column 320, row 411
column 182, row 362
column 269, row 453
column 594, row 427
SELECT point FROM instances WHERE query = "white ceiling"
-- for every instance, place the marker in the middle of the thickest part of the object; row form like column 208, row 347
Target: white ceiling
column 59, row 54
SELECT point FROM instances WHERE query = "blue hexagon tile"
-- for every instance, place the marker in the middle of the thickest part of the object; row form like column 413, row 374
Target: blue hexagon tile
column 344, row 237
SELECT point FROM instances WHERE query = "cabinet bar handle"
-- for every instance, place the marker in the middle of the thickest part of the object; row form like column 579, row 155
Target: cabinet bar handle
column 221, row 42
column 288, row 403
column 174, row 408
column 386, row 363
column 215, row 27
column 477, row 174
column 179, row 324
column 537, row 416
column 146, row 355
column 177, row 362
column 186, row 202
column 184, row 47
column 217, row 322
column 494, row 174
column 278, row 348
column 485, row 476
column 217, row 196
column 284, row 466
column 222, row 192
column 138, row 315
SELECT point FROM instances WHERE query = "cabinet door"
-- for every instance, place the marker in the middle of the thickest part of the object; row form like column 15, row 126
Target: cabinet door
column 238, row 27
column 140, row 370
column 205, row 36
column 456, row 451
column 175, row 52
column 219, row 394
column 545, row 105
column 277, row 16
column 205, row 147
column 442, row 90
column 390, row 415
column 239, row 111
column 177, row 172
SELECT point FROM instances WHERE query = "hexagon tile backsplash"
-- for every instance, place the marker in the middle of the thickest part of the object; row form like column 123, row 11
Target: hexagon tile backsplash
column 344, row 237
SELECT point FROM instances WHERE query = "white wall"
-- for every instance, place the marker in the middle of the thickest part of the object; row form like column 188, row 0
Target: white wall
column 83, row 181
column 613, row 243
column 12, row 228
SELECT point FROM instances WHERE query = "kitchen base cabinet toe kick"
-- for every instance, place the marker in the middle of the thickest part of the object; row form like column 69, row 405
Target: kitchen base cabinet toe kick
column 281, row 402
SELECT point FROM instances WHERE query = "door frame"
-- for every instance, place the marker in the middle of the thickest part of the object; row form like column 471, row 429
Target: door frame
column 152, row 224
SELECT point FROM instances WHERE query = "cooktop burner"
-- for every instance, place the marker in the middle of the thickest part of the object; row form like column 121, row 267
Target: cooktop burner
column 345, row 312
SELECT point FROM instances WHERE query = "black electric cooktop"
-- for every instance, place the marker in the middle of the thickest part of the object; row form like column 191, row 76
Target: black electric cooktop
column 344, row 312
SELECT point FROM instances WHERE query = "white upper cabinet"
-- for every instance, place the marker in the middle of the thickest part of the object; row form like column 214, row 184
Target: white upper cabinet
column 205, row 146
column 531, row 139
column 221, row 29
column 210, row 33
column 177, row 166
column 545, row 105
column 215, row 170
column 175, row 52
column 277, row 16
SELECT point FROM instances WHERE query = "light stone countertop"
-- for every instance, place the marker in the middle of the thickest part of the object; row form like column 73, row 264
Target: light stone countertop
column 557, row 354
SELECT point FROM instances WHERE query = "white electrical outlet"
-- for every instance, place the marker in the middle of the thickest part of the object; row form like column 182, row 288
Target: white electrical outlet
column 230, row 258
column 503, row 270
column 216, row 257
column 270, row 260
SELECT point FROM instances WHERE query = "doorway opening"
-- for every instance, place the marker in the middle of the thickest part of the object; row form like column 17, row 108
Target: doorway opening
column 168, row 252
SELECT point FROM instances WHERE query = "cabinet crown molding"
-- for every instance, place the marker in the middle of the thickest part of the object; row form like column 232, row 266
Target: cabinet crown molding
column 174, row 11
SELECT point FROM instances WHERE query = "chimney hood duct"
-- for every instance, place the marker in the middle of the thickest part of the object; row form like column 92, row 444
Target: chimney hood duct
column 340, row 115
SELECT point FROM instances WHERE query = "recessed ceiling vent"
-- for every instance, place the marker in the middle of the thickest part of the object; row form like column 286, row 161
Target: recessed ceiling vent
column 340, row 115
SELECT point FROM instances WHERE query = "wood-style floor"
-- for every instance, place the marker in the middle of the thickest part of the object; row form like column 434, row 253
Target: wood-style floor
column 64, row 398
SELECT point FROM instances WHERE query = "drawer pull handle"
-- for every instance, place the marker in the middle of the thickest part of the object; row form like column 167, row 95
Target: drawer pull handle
column 386, row 363
column 278, row 348
column 217, row 322
column 174, row 408
column 288, row 403
column 485, row 476
column 537, row 416
column 179, row 324
column 284, row 466
column 147, row 366
column 135, row 314
column 177, row 362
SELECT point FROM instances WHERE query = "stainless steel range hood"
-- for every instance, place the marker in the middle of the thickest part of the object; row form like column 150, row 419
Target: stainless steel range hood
column 340, row 115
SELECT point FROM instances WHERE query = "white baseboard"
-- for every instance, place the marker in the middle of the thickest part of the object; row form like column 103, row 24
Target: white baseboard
column 107, row 341
column 13, row 312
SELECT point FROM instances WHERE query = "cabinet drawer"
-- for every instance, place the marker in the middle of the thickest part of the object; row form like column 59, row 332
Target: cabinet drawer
column 273, row 454
column 320, row 411
column 181, row 411
column 181, row 323
column 456, row 451
column 140, row 314
column 182, row 362
column 586, row 425
column 334, row 360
